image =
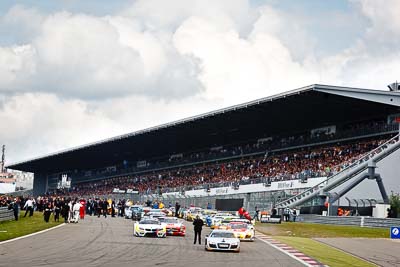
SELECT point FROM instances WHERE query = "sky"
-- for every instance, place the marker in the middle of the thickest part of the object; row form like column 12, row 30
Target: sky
column 75, row 72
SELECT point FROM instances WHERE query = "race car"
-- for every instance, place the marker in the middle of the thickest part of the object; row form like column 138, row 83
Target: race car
column 218, row 219
column 192, row 213
column 134, row 212
column 222, row 225
column 154, row 214
column 222, row 240
column 243, row 230
column 149, row 227
column 173, row 225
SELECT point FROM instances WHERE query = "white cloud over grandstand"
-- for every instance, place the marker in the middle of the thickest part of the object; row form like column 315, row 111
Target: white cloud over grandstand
column 69, row 78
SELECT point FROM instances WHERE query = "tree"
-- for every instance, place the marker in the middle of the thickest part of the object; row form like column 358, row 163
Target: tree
column 395, row 205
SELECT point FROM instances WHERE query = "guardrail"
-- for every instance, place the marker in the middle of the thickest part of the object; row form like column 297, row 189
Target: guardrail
column 362, row 221
column 6, row 214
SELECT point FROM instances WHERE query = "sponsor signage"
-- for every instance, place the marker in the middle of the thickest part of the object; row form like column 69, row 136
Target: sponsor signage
column 285, row 185
column 221, row 191
column 117, row 190
column 132, row 191
column 395, row 232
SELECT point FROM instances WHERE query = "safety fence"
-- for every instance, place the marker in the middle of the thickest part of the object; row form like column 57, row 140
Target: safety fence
column 362, row 221
column 6, row 214
column 262, row 200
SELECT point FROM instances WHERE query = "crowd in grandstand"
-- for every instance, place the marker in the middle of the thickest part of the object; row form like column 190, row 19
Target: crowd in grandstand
column 264, row 143
column 306, row 162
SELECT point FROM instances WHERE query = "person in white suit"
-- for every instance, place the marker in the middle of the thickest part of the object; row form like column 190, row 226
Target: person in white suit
column 77, row 206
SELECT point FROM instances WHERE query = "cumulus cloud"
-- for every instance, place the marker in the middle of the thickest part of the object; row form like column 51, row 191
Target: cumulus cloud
column 158, row 61
column 384, row 18
column 371, row 61
column 20, row 24
column 88, row 57
column 34, row 124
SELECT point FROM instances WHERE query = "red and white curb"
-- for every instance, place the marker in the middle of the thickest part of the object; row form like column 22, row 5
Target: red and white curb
column 288, row 250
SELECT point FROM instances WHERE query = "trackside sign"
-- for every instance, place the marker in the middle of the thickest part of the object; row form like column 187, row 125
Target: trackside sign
column 395, row 232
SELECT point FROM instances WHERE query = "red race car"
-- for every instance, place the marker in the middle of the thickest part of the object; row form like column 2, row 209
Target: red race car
column 173, row 225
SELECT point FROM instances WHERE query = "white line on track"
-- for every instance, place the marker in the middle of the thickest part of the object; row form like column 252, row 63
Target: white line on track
column 33, row 234
column 287, row 253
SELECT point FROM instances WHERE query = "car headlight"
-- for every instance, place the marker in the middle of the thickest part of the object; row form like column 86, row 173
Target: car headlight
column 141, row 228
column 234, row 244
column 212, row 243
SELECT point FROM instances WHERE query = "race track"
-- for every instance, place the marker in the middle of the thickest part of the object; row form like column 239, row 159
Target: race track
column 109, row 242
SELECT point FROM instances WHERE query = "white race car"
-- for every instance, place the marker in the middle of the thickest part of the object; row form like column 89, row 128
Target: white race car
column 222, row 240
column 154, row 214
column 149, row 227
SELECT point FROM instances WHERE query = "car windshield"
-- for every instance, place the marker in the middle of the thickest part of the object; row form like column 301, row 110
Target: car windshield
column 150, row 222
column 170, row 220
column 222, row 234
column 156, row 214
column 238, row 225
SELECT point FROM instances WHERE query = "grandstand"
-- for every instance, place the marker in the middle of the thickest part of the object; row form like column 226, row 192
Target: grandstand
column 288, row 143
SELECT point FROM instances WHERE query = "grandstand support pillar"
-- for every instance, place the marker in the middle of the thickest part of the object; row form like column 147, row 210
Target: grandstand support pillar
column 373, row 175
column 247, row 205
column 382, row 189
column 348, row 188
column 370, row 175
column 39, row 184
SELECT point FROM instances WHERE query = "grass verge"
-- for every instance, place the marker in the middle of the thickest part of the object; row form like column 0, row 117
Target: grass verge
column 311, row 230
column 323, row 253
column 25, row 226
column 299, row 236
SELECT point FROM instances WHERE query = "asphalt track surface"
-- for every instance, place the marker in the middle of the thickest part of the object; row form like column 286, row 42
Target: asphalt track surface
column 383, row 252
column 110, row 242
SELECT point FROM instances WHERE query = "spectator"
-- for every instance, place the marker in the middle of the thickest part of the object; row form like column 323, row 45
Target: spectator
column 15, row 208
column 29, row 207
column 256, row 214
column 47, row 210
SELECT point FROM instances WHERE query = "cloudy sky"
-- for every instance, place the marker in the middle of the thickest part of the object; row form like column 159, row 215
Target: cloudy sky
column 74, row 72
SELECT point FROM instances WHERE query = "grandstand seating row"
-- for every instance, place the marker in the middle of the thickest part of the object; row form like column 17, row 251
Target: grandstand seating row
column 310, row 161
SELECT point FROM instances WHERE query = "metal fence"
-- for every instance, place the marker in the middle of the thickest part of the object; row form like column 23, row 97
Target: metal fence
column 6, row 214
column 261, row 200
column 351, row 220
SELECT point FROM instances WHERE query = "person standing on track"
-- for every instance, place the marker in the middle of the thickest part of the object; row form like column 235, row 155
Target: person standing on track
column 198, row 226
column 177, row 208
column 104, row 207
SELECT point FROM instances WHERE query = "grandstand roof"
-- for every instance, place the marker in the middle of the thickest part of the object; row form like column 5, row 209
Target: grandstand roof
column 290, row 112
